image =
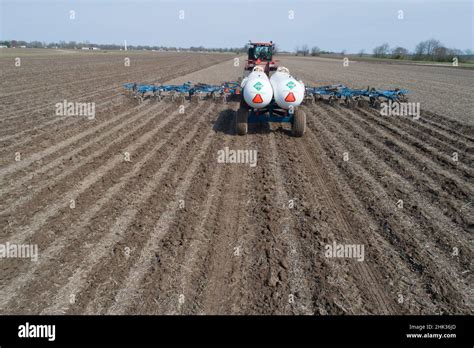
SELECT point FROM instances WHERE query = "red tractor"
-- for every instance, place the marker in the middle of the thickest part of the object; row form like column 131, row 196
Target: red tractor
column 261, row 53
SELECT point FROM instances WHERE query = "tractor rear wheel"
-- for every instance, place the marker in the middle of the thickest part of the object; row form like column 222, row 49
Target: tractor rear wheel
column 298, row 126
column 241, row 121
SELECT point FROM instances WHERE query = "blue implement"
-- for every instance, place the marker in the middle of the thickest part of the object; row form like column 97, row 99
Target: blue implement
column 232, row 88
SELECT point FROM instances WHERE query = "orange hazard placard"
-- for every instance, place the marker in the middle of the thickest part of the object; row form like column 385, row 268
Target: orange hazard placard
column 257, row 99
column 290, row 97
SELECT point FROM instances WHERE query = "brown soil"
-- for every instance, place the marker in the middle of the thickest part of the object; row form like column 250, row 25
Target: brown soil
column 174, row 231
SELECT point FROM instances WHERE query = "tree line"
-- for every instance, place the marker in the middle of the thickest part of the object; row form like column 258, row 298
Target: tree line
column 431, row 50
column 87, row 44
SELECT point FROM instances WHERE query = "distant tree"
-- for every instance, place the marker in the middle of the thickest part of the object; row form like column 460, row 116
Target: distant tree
column 420, row 50
column 315, row 51
column 432, row 46
column 454, row 52
column 70, row 44
column 382, row 50
column 297, row 50
column 399, row 53
column 440, row 53
column 427, row 49
column 434, row 50
column 304, row 50
column 35, row 44
column 361, row 53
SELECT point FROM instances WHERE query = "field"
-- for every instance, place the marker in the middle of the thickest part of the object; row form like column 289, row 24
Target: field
column 133, row 214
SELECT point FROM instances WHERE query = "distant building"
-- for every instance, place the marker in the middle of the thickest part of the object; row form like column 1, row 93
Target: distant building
column 2, row 46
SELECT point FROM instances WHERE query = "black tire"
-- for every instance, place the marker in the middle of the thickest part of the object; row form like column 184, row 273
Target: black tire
column 298, row 126
column 241, row 121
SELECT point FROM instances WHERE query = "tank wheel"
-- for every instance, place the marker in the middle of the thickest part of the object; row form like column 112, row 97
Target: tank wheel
column 298, row 126
column 241, row 121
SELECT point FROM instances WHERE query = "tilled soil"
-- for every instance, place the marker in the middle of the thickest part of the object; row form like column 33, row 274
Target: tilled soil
column 173, row 231
column 446, row 91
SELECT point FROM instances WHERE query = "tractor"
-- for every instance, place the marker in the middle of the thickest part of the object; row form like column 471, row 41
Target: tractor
column 261, row 53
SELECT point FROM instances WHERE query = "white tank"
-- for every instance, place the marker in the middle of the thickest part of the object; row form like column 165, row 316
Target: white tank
column 257, row 89
column 286, row 90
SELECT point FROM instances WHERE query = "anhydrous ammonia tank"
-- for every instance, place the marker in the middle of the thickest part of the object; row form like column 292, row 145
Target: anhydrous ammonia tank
column 287, row 91
column 257, row 89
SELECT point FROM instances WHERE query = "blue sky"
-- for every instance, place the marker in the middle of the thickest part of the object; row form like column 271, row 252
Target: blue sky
column 336, row 25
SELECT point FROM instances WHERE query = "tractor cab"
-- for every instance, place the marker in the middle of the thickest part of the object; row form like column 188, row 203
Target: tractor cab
column 261, row 53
